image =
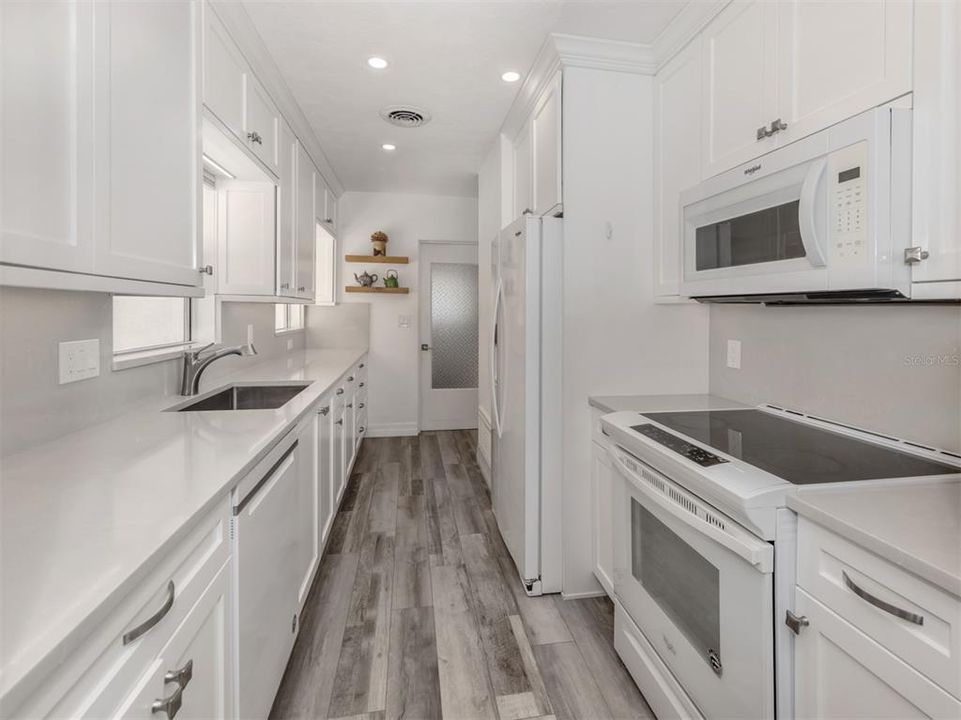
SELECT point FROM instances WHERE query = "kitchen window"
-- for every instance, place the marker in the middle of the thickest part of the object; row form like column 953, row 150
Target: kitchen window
column 149, row 323
column 288, row 318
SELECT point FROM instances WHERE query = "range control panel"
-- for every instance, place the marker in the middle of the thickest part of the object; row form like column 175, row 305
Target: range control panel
column 848, row 201
column 681, row 446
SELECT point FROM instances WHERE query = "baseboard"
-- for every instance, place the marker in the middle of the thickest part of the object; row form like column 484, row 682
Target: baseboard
column 468, row 423
column 405, row 429
column 484, row 467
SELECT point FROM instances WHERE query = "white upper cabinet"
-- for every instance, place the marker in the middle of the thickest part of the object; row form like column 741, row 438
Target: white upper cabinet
column 224, row 75
column 261, row 123
column 286, row 209
column 147, row 220
column 246, row 232
column 46, row 135
column 546, row 123
column 677, row 158
column 740, row 84
column 836, row 59
column 936, row 213
column 325, row 205
column 523, row 171
column 306, row 226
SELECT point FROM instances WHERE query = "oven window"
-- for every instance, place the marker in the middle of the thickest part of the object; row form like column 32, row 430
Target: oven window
column 763, row 236
column 678, row 578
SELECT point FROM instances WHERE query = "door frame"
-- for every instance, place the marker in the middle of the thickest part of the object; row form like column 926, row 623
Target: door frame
column 422, row 289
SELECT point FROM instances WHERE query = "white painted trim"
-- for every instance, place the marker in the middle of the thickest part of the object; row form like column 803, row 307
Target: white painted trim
column 582, row 595
column 402, row 429
column 448, row 242
column 484, row 468
column 461, row 423
column 275, row 299
column 685, row 26
column 598, row 54
column 19, row 276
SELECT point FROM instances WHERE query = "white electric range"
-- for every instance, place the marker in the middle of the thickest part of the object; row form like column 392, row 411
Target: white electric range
column 705, row 548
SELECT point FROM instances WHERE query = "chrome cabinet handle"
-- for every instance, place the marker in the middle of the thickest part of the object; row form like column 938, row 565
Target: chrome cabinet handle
column 362, row 365
column 914, row 255
column 325, row 410
column 350, row 405
column 328, row 220
column 130, row 636
column 255, row 137
column 182, row 677
column 777, row 126
column 881, row 604
column 170, row 704
column 362, row 428
column 339, row 422
column 207, row 270
column 340, row 391
column 796, row 622
column 285, row 286
column 350, row 378
column 362, row 406
column 301, row 289
column 362, row 384
column 527, row 211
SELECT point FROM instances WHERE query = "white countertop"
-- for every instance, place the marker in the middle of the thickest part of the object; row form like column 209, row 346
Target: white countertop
column 916, row 526
column 663, row 403
column 82, row 518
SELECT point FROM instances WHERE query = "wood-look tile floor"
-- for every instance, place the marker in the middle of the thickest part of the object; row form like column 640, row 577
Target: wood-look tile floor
column 417, row 611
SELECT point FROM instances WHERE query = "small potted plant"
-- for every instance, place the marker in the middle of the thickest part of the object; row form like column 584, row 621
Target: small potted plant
column 379, row 241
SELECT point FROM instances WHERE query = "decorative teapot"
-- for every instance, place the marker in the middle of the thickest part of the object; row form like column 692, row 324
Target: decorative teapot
column 391, row 279
column 365, row 280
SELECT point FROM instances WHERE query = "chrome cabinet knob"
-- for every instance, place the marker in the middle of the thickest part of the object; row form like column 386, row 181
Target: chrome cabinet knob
column 285, row 286
column 340, row 391
column 207, row 270
column 362, row 406
column 339, row 422
column 350, row 405
column 362, row 428
column 350, row 378
column 301, row 289
column 362, row 365
column 255, row 138
column 328, row 220
column 325, row 410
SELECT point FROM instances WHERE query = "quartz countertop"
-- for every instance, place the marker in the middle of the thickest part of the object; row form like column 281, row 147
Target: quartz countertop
column 84, row 517
column 916, row 526
column 665, row 403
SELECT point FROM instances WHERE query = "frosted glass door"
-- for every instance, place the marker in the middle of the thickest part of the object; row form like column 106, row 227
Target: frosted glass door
column 449, row 336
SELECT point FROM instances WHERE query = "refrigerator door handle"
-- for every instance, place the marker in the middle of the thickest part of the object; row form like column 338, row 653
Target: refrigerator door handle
column 493, row 351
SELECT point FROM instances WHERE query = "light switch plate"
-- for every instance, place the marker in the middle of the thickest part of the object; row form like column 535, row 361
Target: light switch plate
column 734, row 354
column 79, row 360
column 403, row 321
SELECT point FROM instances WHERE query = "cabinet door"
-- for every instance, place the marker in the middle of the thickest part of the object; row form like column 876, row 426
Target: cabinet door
column 246, row 230
column 331, row 215
column 198, row 661
column 306, row 225
column 224, row 75
column 739, row 84
column 602, row 515
column 266, row 542
column 937, row 141
column 677, row 159
column 337, row 461
column 827, row 72
column 286, row 207
column 46, row 135
column 841, row 673
column 261, row 123
column 321, row 193
column 547, row 150
column 308, row 507
column 523, row 172
column 148, row 137
column 325, row 475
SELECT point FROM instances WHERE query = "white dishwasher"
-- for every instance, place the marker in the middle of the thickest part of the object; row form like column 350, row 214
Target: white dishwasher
column 267, row 578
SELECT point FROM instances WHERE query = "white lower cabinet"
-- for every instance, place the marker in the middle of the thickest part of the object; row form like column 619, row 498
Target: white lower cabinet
column 338, row 450
column 602, row 516
column 326, row 509
column 308, row 539
column 842, row 673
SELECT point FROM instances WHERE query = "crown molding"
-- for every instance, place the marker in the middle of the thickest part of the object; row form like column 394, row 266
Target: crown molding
column 244, row 33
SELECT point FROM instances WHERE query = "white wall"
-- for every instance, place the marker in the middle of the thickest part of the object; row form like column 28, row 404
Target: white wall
column 616, row 340
column 35, row 408
column 894, row 369
column 394, row 351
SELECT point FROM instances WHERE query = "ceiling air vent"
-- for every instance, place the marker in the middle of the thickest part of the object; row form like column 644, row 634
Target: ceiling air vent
column 405, row 116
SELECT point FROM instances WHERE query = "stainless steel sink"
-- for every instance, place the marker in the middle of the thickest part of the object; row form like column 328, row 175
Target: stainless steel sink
column 245, row 397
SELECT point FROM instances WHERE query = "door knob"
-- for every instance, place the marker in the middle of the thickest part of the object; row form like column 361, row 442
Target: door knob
column 425, row 347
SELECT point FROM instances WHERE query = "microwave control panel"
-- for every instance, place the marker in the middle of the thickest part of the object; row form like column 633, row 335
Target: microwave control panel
column 848, row 205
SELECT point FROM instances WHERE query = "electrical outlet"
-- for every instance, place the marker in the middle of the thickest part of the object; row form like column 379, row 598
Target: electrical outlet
column 79, row 360
column 734, row 354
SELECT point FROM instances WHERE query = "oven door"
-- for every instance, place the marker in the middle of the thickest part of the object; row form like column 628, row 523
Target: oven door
column 700, row 588
column 762, row 235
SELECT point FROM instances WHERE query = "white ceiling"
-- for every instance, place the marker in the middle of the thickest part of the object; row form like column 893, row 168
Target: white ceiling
column 445, row 56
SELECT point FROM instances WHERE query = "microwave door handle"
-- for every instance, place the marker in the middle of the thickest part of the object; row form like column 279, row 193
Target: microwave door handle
column 495, row 381
column 758, row 554
column 807, row 207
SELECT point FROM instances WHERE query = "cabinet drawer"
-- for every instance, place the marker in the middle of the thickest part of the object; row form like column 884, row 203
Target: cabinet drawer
column 874, row 595
column 100, row 675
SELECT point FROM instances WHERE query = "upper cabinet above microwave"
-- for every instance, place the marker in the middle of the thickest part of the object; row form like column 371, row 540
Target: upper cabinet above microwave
column 536, row 177
column 776, row 72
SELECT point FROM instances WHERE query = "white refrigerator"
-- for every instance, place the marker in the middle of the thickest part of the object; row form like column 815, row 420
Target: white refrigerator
column 526, row 370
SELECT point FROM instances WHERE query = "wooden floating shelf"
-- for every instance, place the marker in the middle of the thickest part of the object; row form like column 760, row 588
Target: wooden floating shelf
column 387, row 259
column 387, row 290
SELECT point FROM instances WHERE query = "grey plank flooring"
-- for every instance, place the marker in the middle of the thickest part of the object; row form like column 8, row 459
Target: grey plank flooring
column 418, row 612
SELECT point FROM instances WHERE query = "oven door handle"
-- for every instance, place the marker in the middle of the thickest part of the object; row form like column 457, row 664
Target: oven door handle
column 756, row 552
column 807, row 208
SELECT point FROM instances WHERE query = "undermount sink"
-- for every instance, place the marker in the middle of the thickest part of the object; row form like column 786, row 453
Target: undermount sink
column 245, row 397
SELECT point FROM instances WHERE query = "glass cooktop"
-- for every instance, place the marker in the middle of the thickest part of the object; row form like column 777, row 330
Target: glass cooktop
column 799, row 453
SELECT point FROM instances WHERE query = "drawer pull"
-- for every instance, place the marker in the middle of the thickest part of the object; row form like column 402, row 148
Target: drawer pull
column 324, row 410
column 350, row 378
column 881, row 604
column 182, row 677
column 129, row 637
column 362, row 365
column 362, row 384
column 362, row 406
column 170, row 704
column 350, row 405
column 340, row 391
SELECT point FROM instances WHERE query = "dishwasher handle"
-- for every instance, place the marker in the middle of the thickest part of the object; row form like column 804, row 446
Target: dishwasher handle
column 239, row 508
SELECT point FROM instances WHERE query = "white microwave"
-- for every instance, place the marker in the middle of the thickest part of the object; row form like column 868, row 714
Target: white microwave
column 824, row 219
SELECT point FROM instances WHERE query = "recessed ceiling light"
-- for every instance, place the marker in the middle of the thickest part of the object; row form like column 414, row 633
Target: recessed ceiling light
column 388, row 147
column 511, row 76
column 378, row 63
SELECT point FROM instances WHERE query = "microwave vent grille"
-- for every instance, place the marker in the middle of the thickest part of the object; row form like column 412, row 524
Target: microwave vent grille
column 653, row 481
